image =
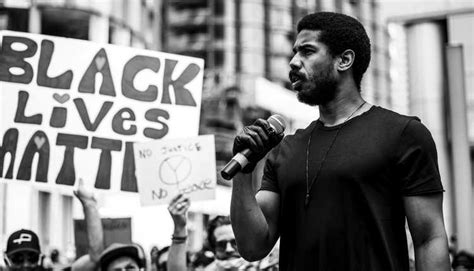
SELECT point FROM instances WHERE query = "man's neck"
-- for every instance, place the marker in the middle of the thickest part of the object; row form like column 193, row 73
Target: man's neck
column 348, row 103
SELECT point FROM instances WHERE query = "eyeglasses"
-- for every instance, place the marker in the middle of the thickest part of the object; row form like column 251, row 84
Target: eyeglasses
column 22, row 258
column 222, row 244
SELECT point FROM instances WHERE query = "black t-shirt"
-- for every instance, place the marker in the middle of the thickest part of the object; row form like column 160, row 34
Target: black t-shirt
column 355, row 219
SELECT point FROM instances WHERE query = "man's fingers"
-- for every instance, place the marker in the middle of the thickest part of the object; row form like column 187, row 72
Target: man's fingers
column 175, row 199
column 249, row 142
column 262, row 127
column 183, row 208
column 265, row 125
column 182, row 204
column 259, row 136
column 178, row 202
column 173, row 210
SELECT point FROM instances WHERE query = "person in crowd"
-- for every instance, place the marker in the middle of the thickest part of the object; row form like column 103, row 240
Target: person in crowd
column 338, row 192
column 270, row 262
column 23, row 251
column 201, row 259
column 162, row 258
column 55, row 261
column 178, row 208
column 123, row 257
column 221, row 240
column 463, row 261
column 153, row 257
column 116, row 256
column 219, row 236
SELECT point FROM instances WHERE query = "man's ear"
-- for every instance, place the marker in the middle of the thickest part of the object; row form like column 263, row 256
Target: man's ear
column 6, row 260
column 346, row 59
column 41, row 259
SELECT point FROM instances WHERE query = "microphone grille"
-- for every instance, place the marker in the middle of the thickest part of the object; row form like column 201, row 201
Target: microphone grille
column 278, row 123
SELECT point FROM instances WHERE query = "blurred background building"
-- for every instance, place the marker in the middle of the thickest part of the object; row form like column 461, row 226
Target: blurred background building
column 247, row 45
column 432, row 67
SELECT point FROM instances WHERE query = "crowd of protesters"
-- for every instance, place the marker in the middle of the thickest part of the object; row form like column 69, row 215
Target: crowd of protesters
column 220, row 252
column 24, row 252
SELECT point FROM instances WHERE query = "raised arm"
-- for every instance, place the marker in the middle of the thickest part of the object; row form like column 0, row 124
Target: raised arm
column 254, row 218
column 425, row 220
column 178, row 209
column 94, row 229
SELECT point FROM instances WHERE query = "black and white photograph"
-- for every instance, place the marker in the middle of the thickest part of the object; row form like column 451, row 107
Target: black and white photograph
column 227, row 135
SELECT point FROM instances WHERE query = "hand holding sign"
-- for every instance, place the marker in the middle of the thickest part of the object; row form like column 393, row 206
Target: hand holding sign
column 178, row 209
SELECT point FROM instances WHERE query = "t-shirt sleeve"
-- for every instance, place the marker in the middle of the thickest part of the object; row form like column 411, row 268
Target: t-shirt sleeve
column 269, row 179
column 417, row 161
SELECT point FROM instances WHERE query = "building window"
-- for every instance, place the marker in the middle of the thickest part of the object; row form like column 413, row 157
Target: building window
column 68, row 234
column 67, row 23
column 14, row 19
column 44, row 213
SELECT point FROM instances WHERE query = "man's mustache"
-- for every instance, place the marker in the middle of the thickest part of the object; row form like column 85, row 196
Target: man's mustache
column 294, row 75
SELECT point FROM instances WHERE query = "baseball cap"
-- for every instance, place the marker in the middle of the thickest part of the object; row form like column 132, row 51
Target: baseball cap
column 117, row 250
column 23, row 240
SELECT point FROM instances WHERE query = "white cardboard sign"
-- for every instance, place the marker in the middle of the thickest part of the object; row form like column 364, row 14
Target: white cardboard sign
column 72, row 108
column 165, row 168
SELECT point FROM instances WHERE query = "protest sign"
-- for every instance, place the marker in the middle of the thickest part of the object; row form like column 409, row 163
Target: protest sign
column 116, row 230
column 72, row 108
column 168, row 167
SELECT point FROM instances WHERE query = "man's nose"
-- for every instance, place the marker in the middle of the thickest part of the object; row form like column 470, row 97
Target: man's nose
column 295, row 62
column 27, row 263
column 229, row 247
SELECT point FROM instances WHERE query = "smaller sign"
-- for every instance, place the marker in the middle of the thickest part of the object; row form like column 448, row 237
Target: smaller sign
column 116, row 230
column 165, row 168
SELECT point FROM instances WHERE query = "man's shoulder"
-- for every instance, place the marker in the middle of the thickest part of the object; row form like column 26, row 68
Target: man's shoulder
column 392, row 118
column 393, row 114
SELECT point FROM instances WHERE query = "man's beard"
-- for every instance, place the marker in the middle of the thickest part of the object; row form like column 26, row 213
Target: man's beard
column 318, row 90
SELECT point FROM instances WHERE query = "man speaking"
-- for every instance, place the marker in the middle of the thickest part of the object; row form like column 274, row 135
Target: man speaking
column 338, row 192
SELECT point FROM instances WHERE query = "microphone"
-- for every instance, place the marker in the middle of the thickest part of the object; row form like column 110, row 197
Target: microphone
column 240, row 160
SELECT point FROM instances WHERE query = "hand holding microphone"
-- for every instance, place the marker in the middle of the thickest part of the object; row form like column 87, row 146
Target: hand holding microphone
column 253, row 144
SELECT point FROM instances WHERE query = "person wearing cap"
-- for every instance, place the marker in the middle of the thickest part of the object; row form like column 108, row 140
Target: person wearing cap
column 123, row 257
column 23, row 251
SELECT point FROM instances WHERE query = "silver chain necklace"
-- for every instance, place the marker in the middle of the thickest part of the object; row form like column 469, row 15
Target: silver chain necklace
column 310, row 185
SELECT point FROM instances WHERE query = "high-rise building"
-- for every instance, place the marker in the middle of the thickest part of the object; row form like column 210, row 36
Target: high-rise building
column 242, row 40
